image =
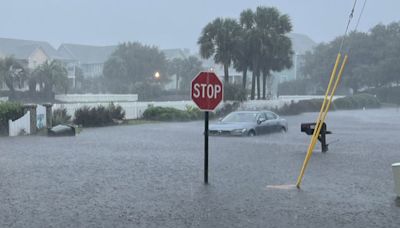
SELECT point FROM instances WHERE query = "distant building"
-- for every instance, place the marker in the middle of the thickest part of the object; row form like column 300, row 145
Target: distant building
column 28, row 52
column 300, row 44
column 90, row 59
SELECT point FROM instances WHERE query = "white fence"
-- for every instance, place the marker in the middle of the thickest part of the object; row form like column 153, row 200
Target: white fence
column 21, row 126
column 40, row 116
column 133, row 110
column 277, row 103
column 95, row 98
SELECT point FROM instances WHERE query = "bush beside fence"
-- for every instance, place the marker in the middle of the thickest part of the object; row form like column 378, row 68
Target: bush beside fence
column 99, row 116
column 9, row 111
column 172, row 114
column 358, row 101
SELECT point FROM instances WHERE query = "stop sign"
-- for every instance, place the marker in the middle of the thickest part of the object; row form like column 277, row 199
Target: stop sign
column 207, row 91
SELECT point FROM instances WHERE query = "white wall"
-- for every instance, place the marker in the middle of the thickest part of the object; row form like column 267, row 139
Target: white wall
column 23, row 124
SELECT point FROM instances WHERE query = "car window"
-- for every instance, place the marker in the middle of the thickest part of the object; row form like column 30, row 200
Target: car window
column 262, row 115
column 271, row 116
column 240, row 117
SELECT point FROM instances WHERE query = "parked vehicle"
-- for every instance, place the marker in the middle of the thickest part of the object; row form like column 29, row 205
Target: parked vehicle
column 249, row 123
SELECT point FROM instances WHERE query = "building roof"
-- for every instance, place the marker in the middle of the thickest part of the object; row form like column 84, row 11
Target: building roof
column 301, row 43
column 176, row 53
column 86, row 54
column 22, row 49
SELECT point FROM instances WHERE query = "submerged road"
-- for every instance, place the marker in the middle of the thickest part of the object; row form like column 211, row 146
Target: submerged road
column 151, row 176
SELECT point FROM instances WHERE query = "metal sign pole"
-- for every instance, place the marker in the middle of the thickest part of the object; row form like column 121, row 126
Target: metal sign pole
column 206, row 147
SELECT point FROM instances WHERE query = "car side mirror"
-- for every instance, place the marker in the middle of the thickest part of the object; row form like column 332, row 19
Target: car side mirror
column 220, row 119
column 260, row 120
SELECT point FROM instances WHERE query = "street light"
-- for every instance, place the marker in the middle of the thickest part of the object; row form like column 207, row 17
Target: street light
column 157, row 75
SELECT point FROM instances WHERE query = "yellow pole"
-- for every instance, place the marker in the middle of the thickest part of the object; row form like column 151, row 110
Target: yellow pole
column 325, row 112
column 318, row 123
column 335, row 86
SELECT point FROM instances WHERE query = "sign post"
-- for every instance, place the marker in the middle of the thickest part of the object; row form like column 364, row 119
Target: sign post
column 206, row 147
column 207, row 93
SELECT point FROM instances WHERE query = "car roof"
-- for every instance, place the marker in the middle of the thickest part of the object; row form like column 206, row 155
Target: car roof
column 252, row 111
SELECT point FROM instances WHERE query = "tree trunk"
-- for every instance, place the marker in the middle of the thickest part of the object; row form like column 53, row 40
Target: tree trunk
column 177, row 82
column 226, row 74
column 253, row 85
column 264, row 85
column 270, row 81
column 258, row 86
column 244, row 78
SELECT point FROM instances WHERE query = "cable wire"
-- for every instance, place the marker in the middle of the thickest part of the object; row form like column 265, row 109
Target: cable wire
column 348, row 25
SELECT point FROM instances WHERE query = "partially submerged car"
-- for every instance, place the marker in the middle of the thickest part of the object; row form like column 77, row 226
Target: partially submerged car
column 62, row 130
column 248, row 123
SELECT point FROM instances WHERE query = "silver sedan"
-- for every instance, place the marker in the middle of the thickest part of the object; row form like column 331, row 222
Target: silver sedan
column 249, row 123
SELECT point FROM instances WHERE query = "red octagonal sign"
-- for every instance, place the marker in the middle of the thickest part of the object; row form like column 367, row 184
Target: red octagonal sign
column 207, row 91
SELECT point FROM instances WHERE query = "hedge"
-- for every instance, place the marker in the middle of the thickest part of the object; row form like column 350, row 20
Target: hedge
column 9, row 111
column 386, row 94
column 60, row 116
column 358, row 101
column 98, row 116
column 172, row 114
column 295, row 108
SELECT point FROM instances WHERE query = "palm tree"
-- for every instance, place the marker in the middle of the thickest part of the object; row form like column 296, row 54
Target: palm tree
column 12, row 73
column 270, row 47
column 51, row 75
column 242, row 62
column 185, row 70
column 175, row 67
column 219, row 39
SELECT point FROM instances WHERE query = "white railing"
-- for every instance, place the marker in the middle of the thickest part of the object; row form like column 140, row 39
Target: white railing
column 21, row 126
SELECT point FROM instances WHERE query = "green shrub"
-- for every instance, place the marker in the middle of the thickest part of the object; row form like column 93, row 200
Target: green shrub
column 116, row 111
column 98, row 116
column 295, row 108
column 9, row 111
column 386, row 94
column 351, row 102
column 194, row 112
column 357, row 101
column 166, row 114
column 60, row 116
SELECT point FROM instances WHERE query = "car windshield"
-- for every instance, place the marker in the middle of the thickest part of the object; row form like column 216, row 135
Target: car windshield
column 240, row 117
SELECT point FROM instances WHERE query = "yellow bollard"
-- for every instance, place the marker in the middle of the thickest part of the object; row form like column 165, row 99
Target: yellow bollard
column 322, row 114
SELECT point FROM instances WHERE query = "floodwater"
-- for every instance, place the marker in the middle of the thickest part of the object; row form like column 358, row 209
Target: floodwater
column 151, row 176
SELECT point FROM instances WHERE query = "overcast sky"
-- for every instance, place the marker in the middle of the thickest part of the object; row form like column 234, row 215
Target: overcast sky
column 171, row 23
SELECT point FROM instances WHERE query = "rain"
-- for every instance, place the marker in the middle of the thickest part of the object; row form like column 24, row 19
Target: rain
column 199, row 113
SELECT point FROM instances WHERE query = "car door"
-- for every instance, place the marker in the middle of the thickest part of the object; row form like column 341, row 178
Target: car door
column 272, row 122
column 262, row 127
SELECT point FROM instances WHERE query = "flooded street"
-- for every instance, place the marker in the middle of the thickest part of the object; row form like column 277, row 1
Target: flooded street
column 151, row 175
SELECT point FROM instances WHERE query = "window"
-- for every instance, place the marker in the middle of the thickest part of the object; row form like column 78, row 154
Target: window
column 271, row 116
